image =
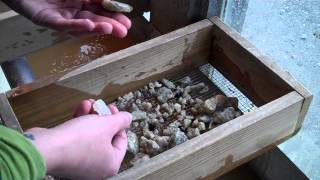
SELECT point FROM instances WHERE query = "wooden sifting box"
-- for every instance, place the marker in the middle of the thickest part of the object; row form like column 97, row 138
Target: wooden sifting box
column 281, row 101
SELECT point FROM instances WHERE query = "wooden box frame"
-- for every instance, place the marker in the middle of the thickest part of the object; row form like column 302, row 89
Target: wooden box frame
column 282, row 101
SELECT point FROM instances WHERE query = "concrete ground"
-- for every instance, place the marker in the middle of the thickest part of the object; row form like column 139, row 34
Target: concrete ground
column 289, row 32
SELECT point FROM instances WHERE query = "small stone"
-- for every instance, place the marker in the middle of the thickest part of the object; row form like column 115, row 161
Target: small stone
column 185, row 81
column 190, row 101
column 152, row 115
column 195, row 123
column 139, row 115
column 198, row 101
column 204, row 118
column 116, row 6
column 153, row 92
column 168, row 84
column 154, row 122
column 193, row 132
column 180, row 118
column 148, row 134
column 165, row 115
column 177, row 138
column 147, row 106
column 224, row 102
column 164, row 94
column 181, row 100
column 137, row 94
column 128, row 96
column 134, row 107
column 189, row 117
column 167, row 132
column 138, row 101
column 210, row 105
column 157, row 84
column 194, row 110
column 238, row 114
column 163, row 142
column 157, row 108
column 201, row 126
column 179, row 91
column 198, row 88
column 159, row 114
column 177, row 107
column 135, row 124
column 224, row 116
column 151, row 85
column 149, row 146
column 161, row 120
column 144, row 125
column 186, row 123
column 133, row 143
column 165, row 106
column 156, row 132
column 183, row 113
column 175, row 124
column 139, row 158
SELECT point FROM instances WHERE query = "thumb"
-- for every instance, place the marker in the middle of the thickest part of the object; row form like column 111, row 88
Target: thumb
column 119, row 142
column 118, row 122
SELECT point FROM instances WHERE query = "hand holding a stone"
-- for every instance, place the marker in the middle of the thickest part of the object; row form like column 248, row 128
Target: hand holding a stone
column 89, row 146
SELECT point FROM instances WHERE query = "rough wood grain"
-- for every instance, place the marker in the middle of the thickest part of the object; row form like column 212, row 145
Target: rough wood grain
column 111, row 75
column 253, row 72
column 224, row 146
column 7, row 115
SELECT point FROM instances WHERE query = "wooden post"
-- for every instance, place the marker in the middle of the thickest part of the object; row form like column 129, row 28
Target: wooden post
column 168, row 15
column 7, row 115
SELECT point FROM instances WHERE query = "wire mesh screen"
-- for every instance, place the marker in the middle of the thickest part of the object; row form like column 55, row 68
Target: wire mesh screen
column 245, row 105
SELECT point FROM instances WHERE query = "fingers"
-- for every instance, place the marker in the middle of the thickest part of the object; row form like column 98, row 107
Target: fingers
column 69, row 25
column 103, row 24
column 120, row 18
column 84, row 108
column 96, row 8
column 119, row 142
column 118, row 122
column 113, row 108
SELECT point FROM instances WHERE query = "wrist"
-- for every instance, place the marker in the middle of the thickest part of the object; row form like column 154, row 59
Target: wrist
column 50, row 149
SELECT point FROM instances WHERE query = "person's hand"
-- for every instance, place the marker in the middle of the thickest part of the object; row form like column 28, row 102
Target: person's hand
column 86, row 147
column 77, row 17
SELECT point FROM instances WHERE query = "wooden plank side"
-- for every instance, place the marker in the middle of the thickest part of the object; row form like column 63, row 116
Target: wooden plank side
column 20, row 36
column 224, row 147
column 47, row 104
column 168, row 15
column 233, row 59
column 252, row 71
column 7, row 115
